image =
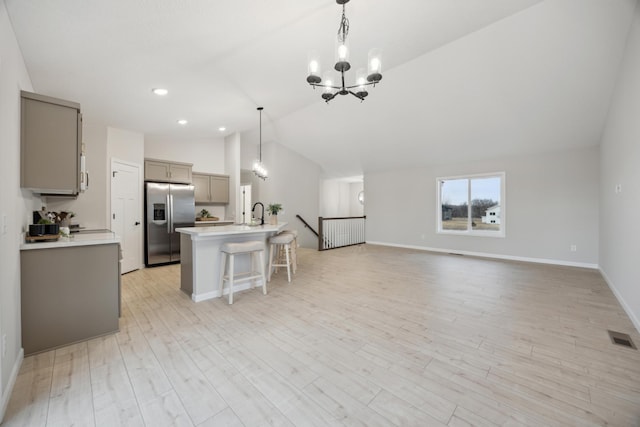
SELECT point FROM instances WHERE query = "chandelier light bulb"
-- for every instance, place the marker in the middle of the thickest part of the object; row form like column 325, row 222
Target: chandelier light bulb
column 361, row 83
column 313, row 66
column 342, row 52
column 375, row 64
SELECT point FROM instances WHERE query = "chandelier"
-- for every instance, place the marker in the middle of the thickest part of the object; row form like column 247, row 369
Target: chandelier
column 332, row 86
column 258, row 167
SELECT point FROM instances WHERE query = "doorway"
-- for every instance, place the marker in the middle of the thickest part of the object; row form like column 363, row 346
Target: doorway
column 245, row 193
column 126, row 212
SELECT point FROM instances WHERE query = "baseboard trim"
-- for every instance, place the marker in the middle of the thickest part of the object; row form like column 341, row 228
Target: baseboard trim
column 6, row 396
column 205, row 296
column 489, row 255
column 625, row 306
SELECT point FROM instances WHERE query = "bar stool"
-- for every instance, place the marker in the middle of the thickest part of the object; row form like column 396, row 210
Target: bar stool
column 294, row 248
column 230, row 250
column 280, row 248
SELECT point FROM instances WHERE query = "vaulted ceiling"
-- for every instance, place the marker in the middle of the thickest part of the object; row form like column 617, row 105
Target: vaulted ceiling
column 463, row 79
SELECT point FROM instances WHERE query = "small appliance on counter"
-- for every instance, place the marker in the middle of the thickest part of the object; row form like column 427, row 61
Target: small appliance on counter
column 44, row 227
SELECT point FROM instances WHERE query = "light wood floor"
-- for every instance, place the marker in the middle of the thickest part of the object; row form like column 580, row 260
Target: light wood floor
column 366, row 336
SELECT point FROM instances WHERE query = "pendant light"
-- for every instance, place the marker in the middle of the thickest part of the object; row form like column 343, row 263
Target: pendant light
column 258, row 167
column 334, row 84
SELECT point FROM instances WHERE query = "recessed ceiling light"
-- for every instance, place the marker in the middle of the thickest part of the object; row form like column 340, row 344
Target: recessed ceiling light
column 182, row 122
column 222, row 128
column 159, row 91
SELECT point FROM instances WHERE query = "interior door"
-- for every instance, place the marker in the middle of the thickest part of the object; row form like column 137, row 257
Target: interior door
column 126, row 215
column 245, row 192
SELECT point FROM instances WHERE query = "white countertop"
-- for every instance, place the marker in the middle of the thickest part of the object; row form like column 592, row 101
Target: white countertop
column 228, row 230
column 74, row 240
column 217, row 221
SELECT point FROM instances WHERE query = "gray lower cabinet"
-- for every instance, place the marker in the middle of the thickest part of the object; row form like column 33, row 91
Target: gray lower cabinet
column 69, row 294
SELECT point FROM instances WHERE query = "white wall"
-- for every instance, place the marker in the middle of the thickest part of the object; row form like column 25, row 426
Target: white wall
column 355, row 207
column 91, row 207
column 551, row 204
column 15, row 205
column 620, row 165
column 334, row 198
column 207, row 156
column 232, row 168
column 293, row 182
column 339, row 198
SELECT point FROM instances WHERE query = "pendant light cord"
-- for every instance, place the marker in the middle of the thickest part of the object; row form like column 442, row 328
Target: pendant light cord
column 343, row 29
column 260, row 109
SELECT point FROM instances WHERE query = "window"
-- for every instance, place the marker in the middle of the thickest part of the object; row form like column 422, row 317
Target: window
column 472, row 205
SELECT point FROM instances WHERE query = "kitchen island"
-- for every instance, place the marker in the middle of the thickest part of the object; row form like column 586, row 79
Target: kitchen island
column 200, row 256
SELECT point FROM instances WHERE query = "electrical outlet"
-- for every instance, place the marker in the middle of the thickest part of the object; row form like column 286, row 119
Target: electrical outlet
column 574, row 248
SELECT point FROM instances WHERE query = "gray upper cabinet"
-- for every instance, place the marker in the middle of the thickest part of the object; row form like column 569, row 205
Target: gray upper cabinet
column 160, row 170
column 211, row 188
column 201, row 185
column 51, row 144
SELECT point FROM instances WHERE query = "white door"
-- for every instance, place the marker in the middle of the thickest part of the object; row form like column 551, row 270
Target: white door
column 245, row 191
column 126, row 212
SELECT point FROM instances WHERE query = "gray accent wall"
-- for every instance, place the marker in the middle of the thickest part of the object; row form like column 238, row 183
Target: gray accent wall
column 551, row 204
column 620, row 166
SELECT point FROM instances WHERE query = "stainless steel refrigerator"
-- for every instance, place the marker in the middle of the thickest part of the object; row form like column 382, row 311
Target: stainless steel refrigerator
column 167, row 207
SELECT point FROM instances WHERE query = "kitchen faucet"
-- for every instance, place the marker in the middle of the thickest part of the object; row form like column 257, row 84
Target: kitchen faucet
column 254, row 208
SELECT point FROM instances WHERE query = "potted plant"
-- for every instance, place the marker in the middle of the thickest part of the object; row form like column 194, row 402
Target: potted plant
column 273, row 210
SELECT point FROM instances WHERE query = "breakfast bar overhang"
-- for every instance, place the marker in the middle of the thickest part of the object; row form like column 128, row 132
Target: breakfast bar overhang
column 200, row 255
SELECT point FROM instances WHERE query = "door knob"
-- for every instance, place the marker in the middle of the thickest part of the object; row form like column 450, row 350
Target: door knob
column 137, row 223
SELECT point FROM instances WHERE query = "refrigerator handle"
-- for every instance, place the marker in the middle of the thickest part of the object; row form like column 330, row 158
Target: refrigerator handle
column 171, row 213
column 168, row 211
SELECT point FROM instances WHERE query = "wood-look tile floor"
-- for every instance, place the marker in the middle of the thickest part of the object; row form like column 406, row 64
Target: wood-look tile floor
column 366, row 336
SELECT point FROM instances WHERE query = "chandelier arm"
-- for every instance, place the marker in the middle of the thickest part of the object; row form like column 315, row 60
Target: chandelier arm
column 360, row 85
column 356, row 95
column 324, row 86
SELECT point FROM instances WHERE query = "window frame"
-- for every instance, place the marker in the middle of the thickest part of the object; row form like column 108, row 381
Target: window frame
column 470, row 231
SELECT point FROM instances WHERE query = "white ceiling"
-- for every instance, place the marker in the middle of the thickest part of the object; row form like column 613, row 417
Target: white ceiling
column 463, row 79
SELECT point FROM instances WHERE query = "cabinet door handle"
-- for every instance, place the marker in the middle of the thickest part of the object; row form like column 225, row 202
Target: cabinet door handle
column 137, row 223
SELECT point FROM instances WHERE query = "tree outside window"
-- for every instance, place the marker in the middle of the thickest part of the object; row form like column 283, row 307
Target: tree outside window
column 472, row 205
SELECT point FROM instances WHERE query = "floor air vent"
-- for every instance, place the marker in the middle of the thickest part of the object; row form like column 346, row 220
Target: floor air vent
column 621, row 339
